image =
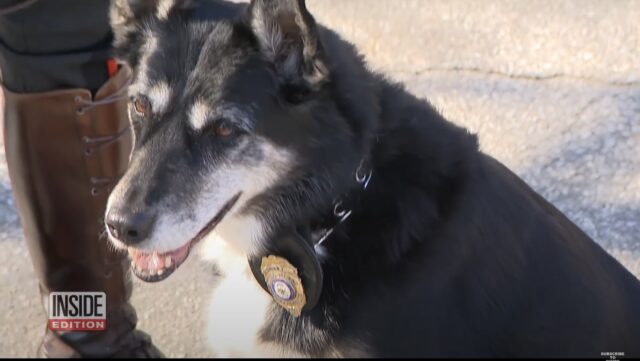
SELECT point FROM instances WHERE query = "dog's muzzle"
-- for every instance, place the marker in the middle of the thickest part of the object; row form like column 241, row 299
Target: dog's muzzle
column 156, row 266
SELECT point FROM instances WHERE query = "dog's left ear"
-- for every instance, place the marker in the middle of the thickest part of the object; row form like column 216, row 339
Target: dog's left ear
column 288, row 36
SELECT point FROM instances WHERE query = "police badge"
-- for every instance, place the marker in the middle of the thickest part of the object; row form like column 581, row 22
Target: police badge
column 284, row 284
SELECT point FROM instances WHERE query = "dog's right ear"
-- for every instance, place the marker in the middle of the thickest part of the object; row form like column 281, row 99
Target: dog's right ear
column 127, row 19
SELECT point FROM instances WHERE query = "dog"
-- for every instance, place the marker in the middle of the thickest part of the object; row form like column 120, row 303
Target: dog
column 348, row 217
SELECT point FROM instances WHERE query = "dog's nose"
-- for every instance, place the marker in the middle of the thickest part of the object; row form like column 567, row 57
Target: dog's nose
column 129, row 227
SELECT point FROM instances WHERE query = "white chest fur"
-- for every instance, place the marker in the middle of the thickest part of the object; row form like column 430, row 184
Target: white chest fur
column 238, row 307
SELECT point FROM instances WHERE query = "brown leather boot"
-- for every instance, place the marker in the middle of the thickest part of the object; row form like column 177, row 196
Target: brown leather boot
column 65, row 151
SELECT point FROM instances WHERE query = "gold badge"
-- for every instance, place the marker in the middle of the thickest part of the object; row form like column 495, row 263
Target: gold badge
column 284, row 284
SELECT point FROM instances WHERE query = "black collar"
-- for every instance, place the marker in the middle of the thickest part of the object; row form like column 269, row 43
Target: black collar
column 342, row 207
column 290, row 269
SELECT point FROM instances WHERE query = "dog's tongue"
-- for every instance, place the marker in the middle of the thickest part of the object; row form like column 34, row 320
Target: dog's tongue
column 156, row 266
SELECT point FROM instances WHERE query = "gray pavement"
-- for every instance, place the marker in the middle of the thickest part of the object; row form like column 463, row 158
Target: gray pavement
column 551, row 87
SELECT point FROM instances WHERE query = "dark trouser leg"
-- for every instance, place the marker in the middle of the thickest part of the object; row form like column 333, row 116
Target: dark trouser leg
column 65, row 148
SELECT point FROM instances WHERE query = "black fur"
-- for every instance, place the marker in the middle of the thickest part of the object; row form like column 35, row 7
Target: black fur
column 447, row 253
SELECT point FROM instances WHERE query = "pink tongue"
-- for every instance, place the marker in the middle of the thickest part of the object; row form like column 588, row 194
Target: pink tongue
column 143, row 260
column 155, row 260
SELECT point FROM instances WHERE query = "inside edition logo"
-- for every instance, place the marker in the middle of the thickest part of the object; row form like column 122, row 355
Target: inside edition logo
column 77, row 311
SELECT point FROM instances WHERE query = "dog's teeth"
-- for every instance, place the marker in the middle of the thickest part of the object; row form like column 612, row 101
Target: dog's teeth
column 131, row 252
column 160, row 272
column 155, row 260
column 167, row 261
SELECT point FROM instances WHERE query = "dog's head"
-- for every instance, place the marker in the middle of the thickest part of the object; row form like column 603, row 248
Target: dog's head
column 234, row 126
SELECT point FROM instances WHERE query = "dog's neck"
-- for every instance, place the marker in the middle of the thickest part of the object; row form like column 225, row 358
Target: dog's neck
column 299, row 247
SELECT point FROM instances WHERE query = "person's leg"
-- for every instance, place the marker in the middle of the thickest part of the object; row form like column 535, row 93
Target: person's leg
column 66, row 140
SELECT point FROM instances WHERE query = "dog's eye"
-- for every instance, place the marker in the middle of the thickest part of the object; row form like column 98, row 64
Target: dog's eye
column 223, row 129
column 142, row 106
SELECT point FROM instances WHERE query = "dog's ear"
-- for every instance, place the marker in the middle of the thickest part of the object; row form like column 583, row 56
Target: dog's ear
column 288, row 36
column 127, row 18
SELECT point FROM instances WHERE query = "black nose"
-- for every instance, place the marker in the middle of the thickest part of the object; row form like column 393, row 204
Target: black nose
column 129, row 227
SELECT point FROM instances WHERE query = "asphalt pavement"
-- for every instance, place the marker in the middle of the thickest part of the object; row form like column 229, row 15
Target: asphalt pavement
column 551, row 87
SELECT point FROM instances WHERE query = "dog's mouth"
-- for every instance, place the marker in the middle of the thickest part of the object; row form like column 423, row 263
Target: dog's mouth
column 155, row 266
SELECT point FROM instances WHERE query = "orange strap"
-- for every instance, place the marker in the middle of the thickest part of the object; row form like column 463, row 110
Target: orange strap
column 112, row 67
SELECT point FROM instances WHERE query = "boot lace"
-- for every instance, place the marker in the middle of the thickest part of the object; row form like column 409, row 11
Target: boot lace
column 93, row 144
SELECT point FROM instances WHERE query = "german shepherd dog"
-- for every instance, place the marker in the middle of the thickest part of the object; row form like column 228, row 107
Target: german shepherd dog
column 348, row 217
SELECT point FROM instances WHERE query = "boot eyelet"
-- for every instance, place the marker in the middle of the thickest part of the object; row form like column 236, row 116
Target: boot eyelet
column 88, row 151
column 80, row 111
column 94, row 191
